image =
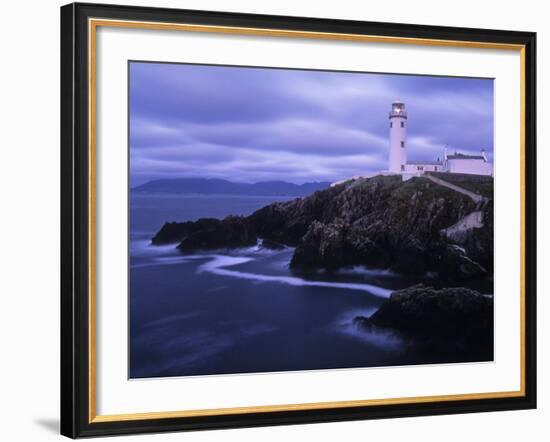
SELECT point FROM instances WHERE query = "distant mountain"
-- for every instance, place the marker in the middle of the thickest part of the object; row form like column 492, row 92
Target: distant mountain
column 218, row 186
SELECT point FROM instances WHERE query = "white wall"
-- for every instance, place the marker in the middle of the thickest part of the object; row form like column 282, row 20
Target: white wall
column 29, row 185
column 425, row 168
column 478, row 167
column 398, row 135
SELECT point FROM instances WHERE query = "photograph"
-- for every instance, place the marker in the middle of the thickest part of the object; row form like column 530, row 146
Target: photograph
column 286, row 219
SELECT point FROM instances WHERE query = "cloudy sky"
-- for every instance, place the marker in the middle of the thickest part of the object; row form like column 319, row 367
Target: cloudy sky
column 253, row 124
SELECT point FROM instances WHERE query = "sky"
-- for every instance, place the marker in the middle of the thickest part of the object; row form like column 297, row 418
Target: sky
column 257, row 124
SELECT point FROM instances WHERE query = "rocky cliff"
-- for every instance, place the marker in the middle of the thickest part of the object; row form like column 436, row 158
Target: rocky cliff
column 410, row 227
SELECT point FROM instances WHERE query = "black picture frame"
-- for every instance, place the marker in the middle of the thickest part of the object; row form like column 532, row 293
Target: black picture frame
column 75, row 221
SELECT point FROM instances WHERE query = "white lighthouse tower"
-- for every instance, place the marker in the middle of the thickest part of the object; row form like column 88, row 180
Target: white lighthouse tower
column 398, row 137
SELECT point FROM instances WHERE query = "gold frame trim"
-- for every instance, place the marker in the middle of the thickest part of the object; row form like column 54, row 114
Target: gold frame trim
column 93, row 24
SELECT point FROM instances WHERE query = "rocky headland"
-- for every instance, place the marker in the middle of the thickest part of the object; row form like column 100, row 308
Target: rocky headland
column 411, row 227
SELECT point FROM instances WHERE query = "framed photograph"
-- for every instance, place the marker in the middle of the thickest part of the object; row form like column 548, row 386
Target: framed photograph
column 275, row 220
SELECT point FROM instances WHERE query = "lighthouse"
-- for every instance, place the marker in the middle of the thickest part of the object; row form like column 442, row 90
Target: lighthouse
column 398, row 137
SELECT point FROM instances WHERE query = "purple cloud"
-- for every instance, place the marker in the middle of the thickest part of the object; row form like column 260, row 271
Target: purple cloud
column 258, row 124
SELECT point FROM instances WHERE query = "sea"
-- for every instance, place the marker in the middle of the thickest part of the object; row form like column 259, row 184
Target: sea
column 243, row 310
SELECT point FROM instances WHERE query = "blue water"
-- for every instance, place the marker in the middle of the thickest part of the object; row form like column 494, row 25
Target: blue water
column 243, row 310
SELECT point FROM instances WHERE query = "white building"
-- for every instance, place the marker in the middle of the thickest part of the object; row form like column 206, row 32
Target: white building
column 456, row 163
column 475, row 164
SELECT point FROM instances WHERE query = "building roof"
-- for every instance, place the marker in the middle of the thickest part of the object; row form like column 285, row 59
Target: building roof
column 461, row 156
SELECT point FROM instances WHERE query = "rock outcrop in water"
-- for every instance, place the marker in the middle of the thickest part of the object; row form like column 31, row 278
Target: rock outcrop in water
column 419, row 310
column 208, row 233
column 449, row 317
column 378, row 222
column 175, row 232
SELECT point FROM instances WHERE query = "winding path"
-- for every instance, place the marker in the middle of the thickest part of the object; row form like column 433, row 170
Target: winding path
column 474, row 196
column 472, row 220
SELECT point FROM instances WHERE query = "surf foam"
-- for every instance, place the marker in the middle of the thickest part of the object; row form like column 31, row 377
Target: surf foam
column 219, row 263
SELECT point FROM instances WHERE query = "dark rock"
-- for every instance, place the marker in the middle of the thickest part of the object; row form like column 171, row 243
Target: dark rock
column 338, row 244
column 233, row 231
column 175, row 232
column 362, row 322
column 379, row 222
column 287, row 222
column 424, row 312
column 411, row 258
column 453, row 263
column 272, row 245
column 479, row 243
column 385, row 223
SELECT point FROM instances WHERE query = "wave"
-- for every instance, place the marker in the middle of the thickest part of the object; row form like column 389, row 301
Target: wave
column 360, row 270
column 219, row 263
column 259, row 249
column 168, row 260
column 379, row 337
column 143, row 247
